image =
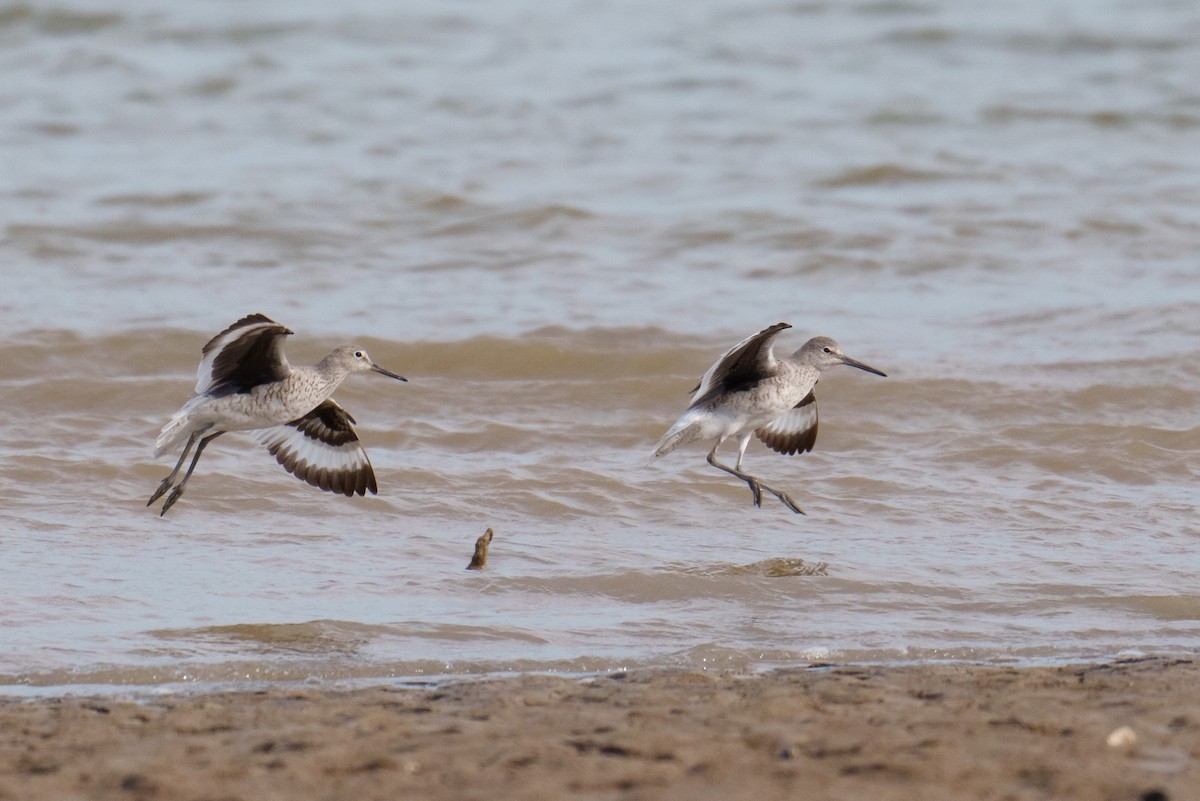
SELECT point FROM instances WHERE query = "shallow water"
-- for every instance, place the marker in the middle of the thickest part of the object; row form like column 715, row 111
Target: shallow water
column 552, row 220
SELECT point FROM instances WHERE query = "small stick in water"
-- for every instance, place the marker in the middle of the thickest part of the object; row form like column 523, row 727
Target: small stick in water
column 479, row 560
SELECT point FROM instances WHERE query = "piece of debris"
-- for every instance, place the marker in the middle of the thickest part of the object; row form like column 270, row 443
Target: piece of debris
column 479, row 560
column 1121, row 737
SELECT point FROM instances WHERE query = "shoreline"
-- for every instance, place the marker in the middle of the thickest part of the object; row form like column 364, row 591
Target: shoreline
column 1114, row 730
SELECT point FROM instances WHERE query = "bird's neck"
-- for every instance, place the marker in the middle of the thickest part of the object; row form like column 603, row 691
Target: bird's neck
column 327, row 374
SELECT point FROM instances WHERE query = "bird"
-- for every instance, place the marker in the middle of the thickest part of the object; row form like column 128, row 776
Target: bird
column 245, row 383
column 749, row 392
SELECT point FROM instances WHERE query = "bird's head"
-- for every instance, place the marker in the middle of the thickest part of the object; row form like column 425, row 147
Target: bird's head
column 823, row 352
column 356, row 359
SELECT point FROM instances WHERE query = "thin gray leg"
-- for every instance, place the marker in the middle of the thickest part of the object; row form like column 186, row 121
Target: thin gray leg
column 175, row 493
column 169, row 480
column 755, row 485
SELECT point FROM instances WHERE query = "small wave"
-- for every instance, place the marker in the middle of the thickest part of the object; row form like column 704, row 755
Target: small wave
column 335, row 636
column 527, row 219
column 883, row 175
column 58, row 22
column 140, row 232
column 156, row 201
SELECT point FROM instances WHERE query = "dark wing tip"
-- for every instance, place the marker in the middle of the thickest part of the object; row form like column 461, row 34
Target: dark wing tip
column 256, row 318
column 772, row 330
column 259, row 317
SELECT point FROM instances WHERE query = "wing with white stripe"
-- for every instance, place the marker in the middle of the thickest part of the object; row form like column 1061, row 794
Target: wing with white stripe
column 742, row 366
column 322, row 449
column 794, row 431
column 244, row 355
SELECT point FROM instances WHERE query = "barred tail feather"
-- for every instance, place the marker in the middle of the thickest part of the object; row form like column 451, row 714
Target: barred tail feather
column 681, row 433
column 173, row 433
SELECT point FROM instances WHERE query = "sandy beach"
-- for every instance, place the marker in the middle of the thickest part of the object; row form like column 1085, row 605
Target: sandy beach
column 1126, row 730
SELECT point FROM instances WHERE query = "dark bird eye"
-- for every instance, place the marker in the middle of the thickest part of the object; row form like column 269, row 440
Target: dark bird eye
column 827, row 350
column 358, row 354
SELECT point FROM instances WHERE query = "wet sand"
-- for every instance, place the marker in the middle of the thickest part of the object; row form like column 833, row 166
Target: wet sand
column 845, row 732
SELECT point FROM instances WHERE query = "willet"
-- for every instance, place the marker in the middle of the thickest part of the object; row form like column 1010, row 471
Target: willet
column 245, row 383
column 748, row 391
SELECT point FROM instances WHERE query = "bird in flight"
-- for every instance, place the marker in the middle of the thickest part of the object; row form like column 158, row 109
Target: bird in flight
column 749, row 392
column 245, row 383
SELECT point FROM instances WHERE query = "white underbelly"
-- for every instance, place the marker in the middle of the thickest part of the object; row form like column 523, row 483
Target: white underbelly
column 246, row 412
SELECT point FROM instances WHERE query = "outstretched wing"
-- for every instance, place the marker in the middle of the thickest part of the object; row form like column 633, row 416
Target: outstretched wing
column 322, row 449
column 794, row 431
column 742, row 366
column 244, row 355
